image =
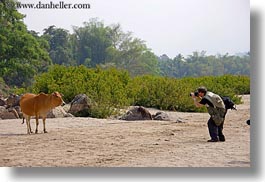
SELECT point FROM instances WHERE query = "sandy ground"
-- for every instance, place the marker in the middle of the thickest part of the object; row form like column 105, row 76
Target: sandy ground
column 89, row 142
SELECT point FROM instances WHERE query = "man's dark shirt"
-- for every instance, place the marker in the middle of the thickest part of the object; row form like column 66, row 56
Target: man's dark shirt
column 206, row 101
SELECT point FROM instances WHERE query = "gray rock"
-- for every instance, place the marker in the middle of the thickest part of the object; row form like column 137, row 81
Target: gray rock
column 80, row 105
column 58, row 112
column 7, row 114
column 2, row 102
column 13, row 100
column 161, row 116
column 137, row 113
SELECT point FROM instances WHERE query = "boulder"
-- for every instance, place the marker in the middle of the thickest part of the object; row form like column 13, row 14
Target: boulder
column 7, row 114
column 80, row 105
column 2, row 102
column 2, row 109
column 137, row 113
column 58, row 112
column 67, row 107
column 161, row 116
column 13, row 100
column 14, row 111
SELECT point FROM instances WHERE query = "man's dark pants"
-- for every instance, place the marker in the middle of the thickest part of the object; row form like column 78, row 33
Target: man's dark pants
column 216, row 132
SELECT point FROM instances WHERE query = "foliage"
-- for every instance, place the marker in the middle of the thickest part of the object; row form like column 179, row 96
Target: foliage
column 59, row 45
column 24, row 54
column 91, row 42
column 107, row 88
column 96, row 44
column 21, row 55
column 4, row 89
column 127, row 52
column 173, row 94
column 114, row 68
column 199, row 64
column 111, row 89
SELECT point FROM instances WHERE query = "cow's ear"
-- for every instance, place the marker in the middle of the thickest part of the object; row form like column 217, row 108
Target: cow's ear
column 57, row 94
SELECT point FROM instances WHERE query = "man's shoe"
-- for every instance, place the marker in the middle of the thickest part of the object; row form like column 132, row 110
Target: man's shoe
column 212, row 140
column 222, row 138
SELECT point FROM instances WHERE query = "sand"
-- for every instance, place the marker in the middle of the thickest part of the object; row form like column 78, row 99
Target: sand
column 90, row 142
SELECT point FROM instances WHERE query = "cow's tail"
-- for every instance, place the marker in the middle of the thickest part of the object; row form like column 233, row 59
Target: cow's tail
column 23, row 120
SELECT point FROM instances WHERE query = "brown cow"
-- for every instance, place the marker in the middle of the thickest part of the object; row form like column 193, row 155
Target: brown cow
column 38, row 106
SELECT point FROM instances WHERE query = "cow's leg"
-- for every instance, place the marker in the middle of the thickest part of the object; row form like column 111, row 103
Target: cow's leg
column 30, row 130
column 37, row 124
column 44, row 127
column 28, row 124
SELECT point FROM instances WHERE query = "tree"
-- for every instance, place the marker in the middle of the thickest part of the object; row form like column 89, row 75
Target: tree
column 21, row 55
column 108, row 46
column 199, row 64
column 91, row 43
column 132, row 54
column 59, row 40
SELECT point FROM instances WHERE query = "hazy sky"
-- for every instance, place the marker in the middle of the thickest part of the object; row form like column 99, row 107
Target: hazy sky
column 168, row 26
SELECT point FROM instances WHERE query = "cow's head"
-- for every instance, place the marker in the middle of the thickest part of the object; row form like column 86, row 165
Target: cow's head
column 57, row 99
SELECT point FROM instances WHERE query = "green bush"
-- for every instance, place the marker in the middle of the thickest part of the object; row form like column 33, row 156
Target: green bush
column 112, row 89
column 4, row 89
column 105, row 87
column 173, row 94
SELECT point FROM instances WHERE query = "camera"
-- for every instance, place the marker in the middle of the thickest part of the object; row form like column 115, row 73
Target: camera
column 196, row 94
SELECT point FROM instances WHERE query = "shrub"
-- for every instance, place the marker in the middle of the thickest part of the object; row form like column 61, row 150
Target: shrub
column 4, row 89
column 112, row 89
column 105, row 87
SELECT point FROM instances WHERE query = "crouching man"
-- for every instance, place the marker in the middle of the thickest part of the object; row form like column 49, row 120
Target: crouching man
column 216, row 110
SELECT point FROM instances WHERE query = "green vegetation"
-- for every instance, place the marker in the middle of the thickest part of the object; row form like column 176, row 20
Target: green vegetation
column 114, row 68
column 199, row 64
column 96, row 44
column 4, row 89
column 25, row 54
column 112, row 89
column 21, row 54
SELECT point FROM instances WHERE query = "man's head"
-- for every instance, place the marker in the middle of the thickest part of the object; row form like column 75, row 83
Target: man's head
column 202, row 91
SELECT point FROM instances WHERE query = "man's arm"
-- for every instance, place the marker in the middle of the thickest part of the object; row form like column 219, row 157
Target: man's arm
column 196, row 103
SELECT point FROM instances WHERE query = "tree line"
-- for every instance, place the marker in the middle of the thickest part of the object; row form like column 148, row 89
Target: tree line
column 199, row 64
column 25, row 54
